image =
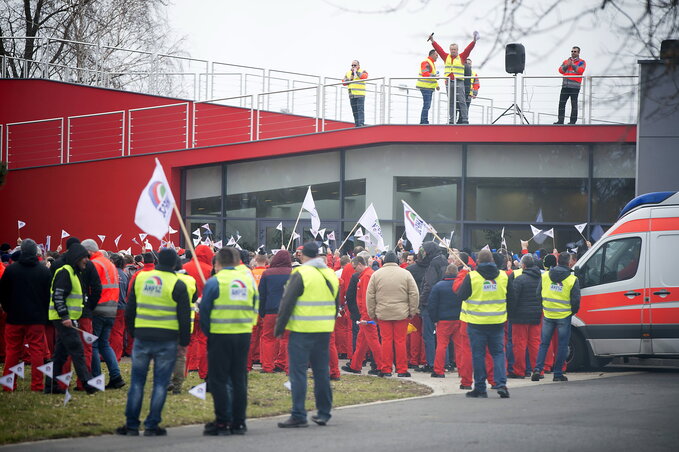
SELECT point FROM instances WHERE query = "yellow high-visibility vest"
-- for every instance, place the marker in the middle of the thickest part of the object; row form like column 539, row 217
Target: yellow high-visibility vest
column 315, row 310
column 155, row 306
column 74, row 300
column 487, row 304
column 235, row 310
column 556, row 297
column 454, row 66
column 428, row 82
column 191, row 289
column 356, row 86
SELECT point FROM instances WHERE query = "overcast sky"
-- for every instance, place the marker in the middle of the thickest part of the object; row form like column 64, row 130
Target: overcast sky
column 317, row 37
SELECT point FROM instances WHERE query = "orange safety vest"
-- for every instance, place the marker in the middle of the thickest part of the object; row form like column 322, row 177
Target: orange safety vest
column 110, row 289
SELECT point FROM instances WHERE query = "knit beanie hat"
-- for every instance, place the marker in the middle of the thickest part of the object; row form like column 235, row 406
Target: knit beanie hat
column 29, row 248
column 310, row 249
column 167, row 258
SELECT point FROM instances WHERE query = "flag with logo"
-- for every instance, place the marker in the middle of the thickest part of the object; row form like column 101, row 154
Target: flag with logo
column 371, row 223
column 89, row 338
column 65, row 378
column 97, row 382
column 20, row 224
column 101, row 237
column 199, row 391
column 18, row 369
column 46, row 369
column 154, row 208
column 310, row 207
column 280, row 226
column 416, row 227
column 117, row 239
column 331, row 235
column 8, row 381
column 64, row 234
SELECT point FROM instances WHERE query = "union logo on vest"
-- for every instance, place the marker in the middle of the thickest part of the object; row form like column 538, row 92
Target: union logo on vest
column 153, row 286
column 556, row 287
column 489, row 285
column 239, row 290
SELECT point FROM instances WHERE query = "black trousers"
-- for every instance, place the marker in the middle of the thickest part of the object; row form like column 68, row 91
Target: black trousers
column 68, row 343
column 227, row 356
column 567, row 93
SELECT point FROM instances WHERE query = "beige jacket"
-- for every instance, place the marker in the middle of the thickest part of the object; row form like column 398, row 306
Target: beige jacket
column 392, row 294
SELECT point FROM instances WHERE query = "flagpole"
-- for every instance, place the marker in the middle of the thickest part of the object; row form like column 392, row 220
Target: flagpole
column 282, row 236
column 449, row 249
column 345, row 240
column 553, row 239
column 189, row 242
column 294, row 228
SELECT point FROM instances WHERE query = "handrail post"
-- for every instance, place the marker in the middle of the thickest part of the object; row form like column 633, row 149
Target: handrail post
column 589, row 98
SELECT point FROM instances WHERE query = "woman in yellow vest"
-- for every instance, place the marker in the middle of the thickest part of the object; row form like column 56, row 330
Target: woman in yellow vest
column 427, row 83
column 353, row 81
column 560, row 294
column 228, row 312
column 66, row 307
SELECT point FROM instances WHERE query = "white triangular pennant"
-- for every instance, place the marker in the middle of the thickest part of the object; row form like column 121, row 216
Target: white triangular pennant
column 142, row 236
column 101, row 237
column 20, row 224
column 535, row 230
column 322, row 232
column 64, row 234
column 46, row 369
column 148, row 246
column 18, row 369
column 326, row 243
column 67, row 397
column 331, row 235
column 206, row 226
column 171, row 230
column 359, row 233
column 199, row 391
column 134, row 240
column 97, row 382
column 487, row 247
column 129, row 251
column 295, row 236
column 65, row 378
column 196, row 242
column 218, row 244
column 313, row 232
column 231, row 242
column 196, row 232
column 89, row 338
column 549, row 232
column 8, row 381
column 238, row 247
column 117, row 239
column 580, row 227
column 280, row 226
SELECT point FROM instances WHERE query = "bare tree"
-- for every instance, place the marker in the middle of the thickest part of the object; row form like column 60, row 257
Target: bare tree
column 81, row 41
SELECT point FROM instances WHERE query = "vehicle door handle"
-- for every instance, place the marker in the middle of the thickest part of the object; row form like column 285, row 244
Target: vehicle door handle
column 662, row 293
column 632, row 294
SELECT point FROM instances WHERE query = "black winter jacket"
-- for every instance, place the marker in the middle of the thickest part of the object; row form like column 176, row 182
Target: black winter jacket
column 527, row 309
column 435, row 270
column 25, row 291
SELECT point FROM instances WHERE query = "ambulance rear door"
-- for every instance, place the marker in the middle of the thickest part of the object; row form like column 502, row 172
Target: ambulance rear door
column 663, row 321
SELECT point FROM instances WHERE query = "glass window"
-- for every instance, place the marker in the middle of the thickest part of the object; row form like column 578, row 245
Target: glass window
column 616, row 260
column 214, row 233
column 416, row 166
column 246, row 229
column 275, row 188
column 203, row 190
column 354, row 198
column 564, row 236
column 613, row 184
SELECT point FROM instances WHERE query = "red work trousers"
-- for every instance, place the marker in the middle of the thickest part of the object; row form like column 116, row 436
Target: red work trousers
column 196, row 357
column 273, row 351
column 15, row 338
column 394, row 334
column 343, row 338
column 416, row 355
column 367, row 339
column 117, row 332
column 3, row 320
column 445, row 329
column 253, row 353
column 525, row 337
column 333, row 362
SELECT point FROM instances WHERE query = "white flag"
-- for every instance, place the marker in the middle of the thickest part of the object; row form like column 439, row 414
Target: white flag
column 287, row 385
column 97, row 382
column 20, row 224
column 331, row 235
column 538, row 218
column 218, row 244
column 538, row 235
column 18, row 369
column 8, row 381
column 89, row 338
column 171, row 230
column 574, row 250
column 502, row 234
column 416, row 227
column 535, row 230
column 101, row 237
column 148, row 246
column 196, row 242
column 326, row 243
column 67, row 397
column 313, row 232
column 359, row 233
column 310, row 207
column 199, row 391
column 549, row 232
column 207, row 228
column 48, row 242
column 134, row 240
column 163, row 243
column 46, row 369
column 280, row 226
column 65, row 378
column 580, row 227
column 295, row 236
column 238, row 236
column 487, row 247
column 64, row 234
column 444, row 243
column 155, row 204
column 196, row 232
column 117, row 239
column 142, row 236
column 238, row 247
column 129, row 251
column 231, row 242
column 322, row 232
column 371, row 224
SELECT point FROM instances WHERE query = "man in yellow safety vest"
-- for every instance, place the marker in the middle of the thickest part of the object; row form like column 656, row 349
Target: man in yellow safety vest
column 353, row 80
column 427, row 83
column 308, row 310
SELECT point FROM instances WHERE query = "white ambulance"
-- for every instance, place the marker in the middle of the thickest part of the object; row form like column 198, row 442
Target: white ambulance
column 630, row 287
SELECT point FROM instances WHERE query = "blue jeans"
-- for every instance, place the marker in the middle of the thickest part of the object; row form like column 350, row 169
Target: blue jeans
column 426, row 104
column 102, row 326
column 492, row 337
column 163, row 354
column 563, row 327
column 428, row 337
column 305, row 348
column 358, row 107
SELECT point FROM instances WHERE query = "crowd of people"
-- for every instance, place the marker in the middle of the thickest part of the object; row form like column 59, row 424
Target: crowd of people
column 462, row 83
column 225, row 311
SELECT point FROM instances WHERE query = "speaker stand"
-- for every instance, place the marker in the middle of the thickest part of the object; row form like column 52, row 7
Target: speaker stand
column 516, row 110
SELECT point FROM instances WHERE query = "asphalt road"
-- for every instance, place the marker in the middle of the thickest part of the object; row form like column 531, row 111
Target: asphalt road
column 622, row 412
